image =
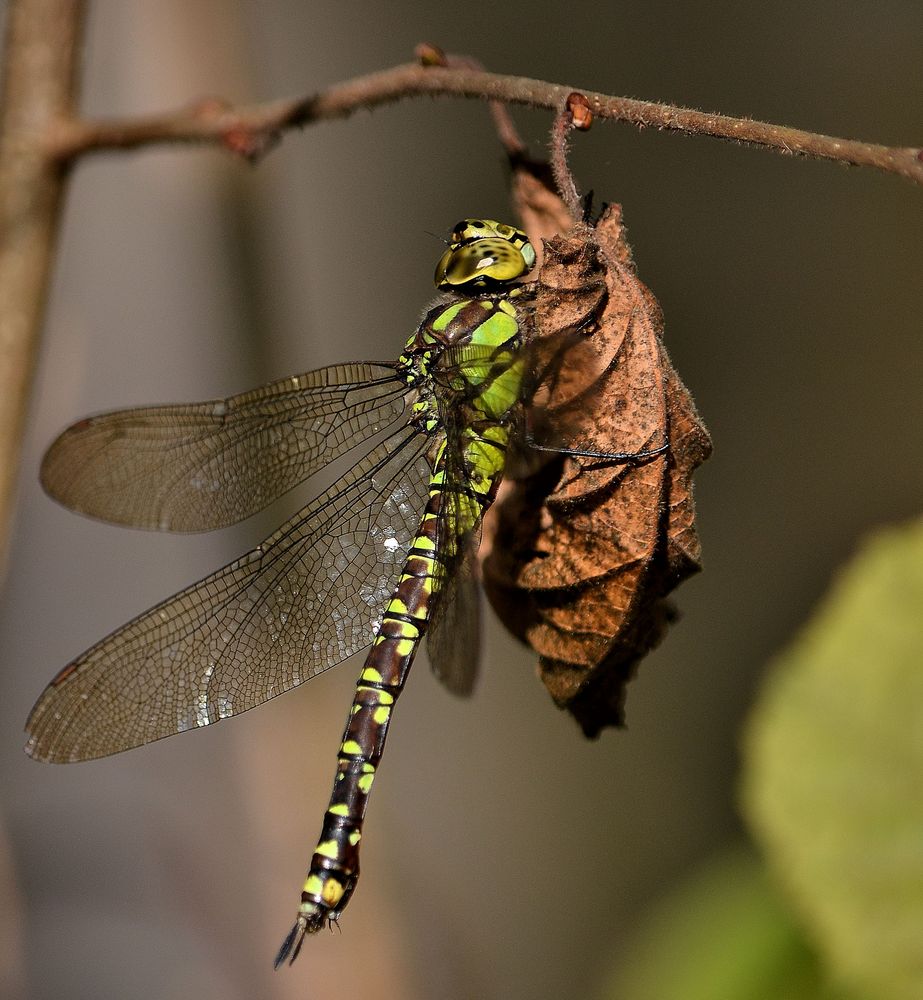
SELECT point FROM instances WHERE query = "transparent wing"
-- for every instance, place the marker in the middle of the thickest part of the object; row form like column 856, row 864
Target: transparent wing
column 206, row 465
column 310, row 596
column 460, row 368
column 454, row 638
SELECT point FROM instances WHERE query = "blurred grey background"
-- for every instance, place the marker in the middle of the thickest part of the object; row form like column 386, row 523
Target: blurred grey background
column 505, row 856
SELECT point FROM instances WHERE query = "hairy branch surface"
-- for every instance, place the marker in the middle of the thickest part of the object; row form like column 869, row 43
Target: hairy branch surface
column 251, row 131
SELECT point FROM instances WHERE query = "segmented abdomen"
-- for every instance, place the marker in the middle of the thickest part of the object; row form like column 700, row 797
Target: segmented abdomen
column 335, row 865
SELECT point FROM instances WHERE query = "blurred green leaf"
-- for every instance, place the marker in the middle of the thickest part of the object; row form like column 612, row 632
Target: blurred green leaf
column 834, row 770
column 725, row 935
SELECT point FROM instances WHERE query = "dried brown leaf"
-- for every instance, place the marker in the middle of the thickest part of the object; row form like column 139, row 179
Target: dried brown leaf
column 581, row 550
column 541, row 212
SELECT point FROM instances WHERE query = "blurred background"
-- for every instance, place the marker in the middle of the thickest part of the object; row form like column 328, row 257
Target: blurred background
column 791, row 291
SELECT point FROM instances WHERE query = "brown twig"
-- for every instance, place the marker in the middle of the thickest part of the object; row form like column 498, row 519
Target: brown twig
column 42, row 39
column 250, row 130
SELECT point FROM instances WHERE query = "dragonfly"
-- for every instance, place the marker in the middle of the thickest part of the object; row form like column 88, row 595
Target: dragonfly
column 383, row 557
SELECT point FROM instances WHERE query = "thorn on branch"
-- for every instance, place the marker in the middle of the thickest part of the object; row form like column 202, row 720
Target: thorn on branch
column 251, row 144
column 246, row 140
column 428, row 54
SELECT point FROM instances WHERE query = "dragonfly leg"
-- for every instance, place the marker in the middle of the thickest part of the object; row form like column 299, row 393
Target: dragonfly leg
column 616, row 457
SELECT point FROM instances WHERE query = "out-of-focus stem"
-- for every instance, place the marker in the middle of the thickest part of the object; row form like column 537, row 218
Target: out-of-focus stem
column 39, row 88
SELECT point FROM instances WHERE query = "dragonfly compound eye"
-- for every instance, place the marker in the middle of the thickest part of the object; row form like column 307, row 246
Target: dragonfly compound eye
column 483, row 254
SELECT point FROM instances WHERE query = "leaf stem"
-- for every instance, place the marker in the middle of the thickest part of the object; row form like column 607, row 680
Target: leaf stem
column 563, row 178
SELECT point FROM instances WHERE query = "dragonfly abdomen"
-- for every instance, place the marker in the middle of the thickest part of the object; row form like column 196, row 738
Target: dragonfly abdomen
column 335, row 863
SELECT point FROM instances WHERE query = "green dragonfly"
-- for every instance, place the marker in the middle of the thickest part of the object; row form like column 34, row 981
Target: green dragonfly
column 382, row 557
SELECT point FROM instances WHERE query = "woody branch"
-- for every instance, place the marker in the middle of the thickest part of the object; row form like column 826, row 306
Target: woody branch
column 251, row 130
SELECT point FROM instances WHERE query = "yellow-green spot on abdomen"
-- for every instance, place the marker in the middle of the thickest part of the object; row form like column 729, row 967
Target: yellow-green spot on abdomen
column 423, row 542
column 352, row 748
column 408, row 630
column 332, row 892
column 404, row 647
column 355, row 837
column 381, row 714
column 328, row 849
column 314, row 885
column 425, row 581
column 339, row 809
column 365, row 782
column 383, row 697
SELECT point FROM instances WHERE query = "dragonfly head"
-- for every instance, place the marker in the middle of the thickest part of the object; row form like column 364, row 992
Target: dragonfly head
column 483, row 255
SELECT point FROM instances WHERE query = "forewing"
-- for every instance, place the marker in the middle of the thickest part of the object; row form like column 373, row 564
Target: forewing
column 310, row 596
column 205, row 465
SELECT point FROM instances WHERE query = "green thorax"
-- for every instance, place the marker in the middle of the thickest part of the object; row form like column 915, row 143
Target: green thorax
column 465, row 357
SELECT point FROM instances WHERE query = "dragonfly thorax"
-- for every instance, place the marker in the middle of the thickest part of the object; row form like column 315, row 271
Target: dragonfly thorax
column 468, row 351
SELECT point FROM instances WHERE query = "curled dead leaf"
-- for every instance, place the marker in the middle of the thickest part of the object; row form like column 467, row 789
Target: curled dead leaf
column 581, row 550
